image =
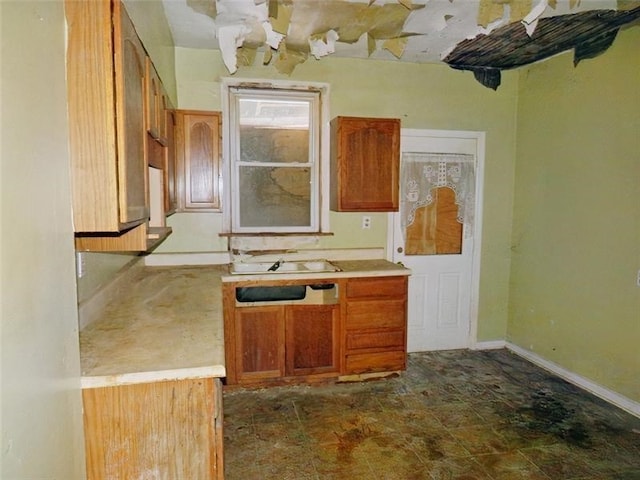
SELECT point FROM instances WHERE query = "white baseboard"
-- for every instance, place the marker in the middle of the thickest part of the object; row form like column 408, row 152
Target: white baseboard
column 489, row 345
column 598, row 390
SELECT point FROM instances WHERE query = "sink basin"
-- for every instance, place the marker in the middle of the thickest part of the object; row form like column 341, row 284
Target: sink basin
column 299, row 266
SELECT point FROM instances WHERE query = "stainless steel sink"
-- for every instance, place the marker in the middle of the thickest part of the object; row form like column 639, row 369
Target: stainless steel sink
column 298, row 266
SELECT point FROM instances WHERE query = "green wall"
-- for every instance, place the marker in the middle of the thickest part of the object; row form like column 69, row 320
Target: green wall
column 41, row 412
column 422, row 96
column 576, row 236
column 153, row 29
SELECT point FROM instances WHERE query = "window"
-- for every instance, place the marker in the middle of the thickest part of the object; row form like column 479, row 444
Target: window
column 275, row 158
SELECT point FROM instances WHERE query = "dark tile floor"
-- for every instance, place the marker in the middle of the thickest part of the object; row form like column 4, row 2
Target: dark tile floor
column 486, row 415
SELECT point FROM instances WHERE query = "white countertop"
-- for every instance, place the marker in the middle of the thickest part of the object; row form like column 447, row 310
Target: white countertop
column 167, row 326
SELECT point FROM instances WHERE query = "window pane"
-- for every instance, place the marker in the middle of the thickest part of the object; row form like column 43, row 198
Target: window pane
column 275, row 196
column 274, row 130
column 274, row 145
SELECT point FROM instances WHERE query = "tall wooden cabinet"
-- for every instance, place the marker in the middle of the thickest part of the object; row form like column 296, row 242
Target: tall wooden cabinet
column 198, row 137
column 365, row 164
column 107, row 100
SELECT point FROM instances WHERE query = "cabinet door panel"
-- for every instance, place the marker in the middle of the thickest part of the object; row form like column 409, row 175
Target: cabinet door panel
column 130, row 116
column 365, row 164
column 260, row 342
column 199, row 154
column 312, row 339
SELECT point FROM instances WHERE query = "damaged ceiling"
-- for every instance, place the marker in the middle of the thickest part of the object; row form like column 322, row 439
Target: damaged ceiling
column 484, row 36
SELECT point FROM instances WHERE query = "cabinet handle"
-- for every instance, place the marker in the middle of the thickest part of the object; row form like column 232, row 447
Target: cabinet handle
column 400, row 250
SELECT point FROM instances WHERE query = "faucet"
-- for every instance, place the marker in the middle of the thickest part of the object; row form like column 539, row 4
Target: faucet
column 275, row 266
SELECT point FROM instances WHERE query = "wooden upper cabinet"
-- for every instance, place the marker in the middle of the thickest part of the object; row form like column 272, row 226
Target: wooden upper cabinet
column 106, row 101
column 170, row 171
column 198, row 153
column 365, row 164
column 157, row 103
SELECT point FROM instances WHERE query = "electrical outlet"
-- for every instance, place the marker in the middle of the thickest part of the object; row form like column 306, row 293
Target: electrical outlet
column 366, row 222
column 80, row 266
column 638, row 279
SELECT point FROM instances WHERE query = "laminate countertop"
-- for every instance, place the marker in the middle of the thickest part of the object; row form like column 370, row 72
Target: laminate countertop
column 168, row 323
column 346, row 269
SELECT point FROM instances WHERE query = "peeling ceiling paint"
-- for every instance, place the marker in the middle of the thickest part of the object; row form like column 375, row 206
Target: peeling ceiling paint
column 285, row 33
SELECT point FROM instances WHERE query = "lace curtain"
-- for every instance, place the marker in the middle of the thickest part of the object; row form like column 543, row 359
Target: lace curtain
column 422, row 172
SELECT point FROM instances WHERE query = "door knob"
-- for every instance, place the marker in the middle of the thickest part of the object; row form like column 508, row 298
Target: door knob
column 400, row 250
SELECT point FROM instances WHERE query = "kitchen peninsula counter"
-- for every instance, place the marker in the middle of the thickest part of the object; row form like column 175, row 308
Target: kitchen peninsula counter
column 167, row 325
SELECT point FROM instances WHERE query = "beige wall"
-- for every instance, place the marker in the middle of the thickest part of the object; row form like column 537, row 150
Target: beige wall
column 576, row 236
column 41, row 406
column 423, row 96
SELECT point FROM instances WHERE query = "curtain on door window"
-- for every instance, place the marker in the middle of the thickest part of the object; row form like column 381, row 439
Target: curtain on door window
column 424, row 173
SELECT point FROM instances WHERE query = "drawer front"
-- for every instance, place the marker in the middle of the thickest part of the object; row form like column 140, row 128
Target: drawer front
column 376, row 314
column 376, row 362
column 382, row 339
column 376, row 287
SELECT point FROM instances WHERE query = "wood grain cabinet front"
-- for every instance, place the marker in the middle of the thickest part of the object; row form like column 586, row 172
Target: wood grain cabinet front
column 375, row 325
column 107, row 128
column 170, row 428
column 198, row 152
column 282, row 342
column 106, row 99
column 365, row 164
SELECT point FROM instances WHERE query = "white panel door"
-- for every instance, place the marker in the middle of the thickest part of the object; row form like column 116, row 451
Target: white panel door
column 442, row 308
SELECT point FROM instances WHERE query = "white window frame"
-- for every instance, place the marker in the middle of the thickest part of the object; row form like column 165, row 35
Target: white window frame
column 320, row 215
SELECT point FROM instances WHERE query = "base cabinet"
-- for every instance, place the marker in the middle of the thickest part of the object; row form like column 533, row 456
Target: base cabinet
column 376, row 325
column 359, row 326
column 275, row 342
column 170, row 429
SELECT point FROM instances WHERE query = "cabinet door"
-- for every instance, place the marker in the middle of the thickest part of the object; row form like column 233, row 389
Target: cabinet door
column 129, row 63
column 199, row 155
column 170, row 193
column 312, row 341
column 153, row 93
column 365, row 164
column 260, row 340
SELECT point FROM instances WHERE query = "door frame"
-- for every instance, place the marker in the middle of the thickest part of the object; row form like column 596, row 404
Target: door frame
column 479, row 137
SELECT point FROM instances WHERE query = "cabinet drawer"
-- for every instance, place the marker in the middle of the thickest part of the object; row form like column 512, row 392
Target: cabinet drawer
column 380, row 339
column 376, row 314
column 376, row 362
column 377, row 287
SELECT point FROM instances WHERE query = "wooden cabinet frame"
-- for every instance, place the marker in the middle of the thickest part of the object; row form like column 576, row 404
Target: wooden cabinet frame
column 199, row 153
column 365, row 164
column 367, row 324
